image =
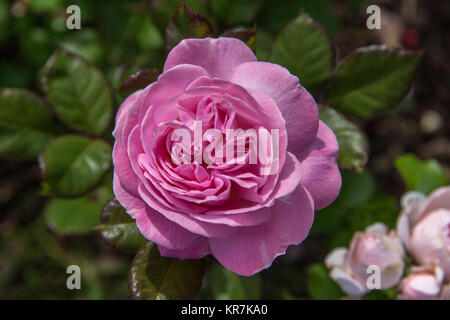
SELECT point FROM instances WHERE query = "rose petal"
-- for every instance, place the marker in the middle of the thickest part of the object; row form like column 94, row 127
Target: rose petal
column 347, row 283
column 184, row 220
column 252, row 218
column 336, row 257
column 438, row 199
column 296, row 104
column 197, row 250
column 321, row 175
column 219, row 57
column 151, row 224
column 252, row 249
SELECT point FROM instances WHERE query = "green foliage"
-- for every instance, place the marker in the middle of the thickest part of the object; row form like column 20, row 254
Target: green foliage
column 235, row 12
column 73, row 165
column 226, row 285
column 305, row 50
column 371, row 80
column 320, row 285
column 76, row 216
column 358, row 205
column 186, row 23
column 118, row 229
column 353, row 143
column 153, row 277
column 26, row 125
column 78, row 93
column 424, row 176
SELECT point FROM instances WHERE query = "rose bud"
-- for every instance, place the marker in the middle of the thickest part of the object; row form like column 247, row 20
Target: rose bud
column 424, row 228
column 374, row 249
column 423, row 284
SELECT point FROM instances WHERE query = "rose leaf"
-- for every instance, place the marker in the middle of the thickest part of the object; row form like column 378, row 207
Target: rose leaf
column 73, row 165
column 26, row 125
column 153, row 277
column 246, row 35
column 76, row 216
column 305, row 50
column 117, row 229
column 186, row 23
column 371, row 80
column 353, row 143
column 420, row 175
column 78, row 92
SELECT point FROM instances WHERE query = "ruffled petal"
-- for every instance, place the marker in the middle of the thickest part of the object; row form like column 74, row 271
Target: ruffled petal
column 151, row 224
column 296, row 104
column 252, row 249
column 219, row 57
column 197, row 250
column 321, row 175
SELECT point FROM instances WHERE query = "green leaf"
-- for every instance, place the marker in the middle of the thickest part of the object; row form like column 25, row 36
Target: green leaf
column 353, row 143
column 383, row 208
column 236, row 12
column 139, row 80
column 371, row 80
column 420, row 175
column 389, row 294
column 118, row 229
column 26, row 126
column 357, row 188
column 162, row 11
column 78, row 92
column 320, row 285
column 76, row 216
column 153, row 277
column 226, row 285
column 246, row 35
column 186, row 23
column 305, row 50
column 73, row 165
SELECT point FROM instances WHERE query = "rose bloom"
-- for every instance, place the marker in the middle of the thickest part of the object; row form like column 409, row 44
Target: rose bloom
column 230, row 210
column 424, row 283
column 424, row 228
column 350, row 268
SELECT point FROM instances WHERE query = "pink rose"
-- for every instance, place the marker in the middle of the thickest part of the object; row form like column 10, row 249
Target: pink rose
column 232, row 210
column 424, row 228
column 374, row 249
column 422, row 284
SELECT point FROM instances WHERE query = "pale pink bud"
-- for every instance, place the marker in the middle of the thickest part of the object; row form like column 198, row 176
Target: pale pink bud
column 374, row 249
column 421, row 285
column 424, row 228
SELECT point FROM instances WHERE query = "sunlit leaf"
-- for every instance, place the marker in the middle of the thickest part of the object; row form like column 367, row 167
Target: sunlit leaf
column 78, row 92
column 73, row 165
column 420, row 175
column 305, row 50
column 353, row 143
column 371, row 80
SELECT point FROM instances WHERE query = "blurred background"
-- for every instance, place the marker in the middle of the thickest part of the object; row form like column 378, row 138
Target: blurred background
column 118, row 34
